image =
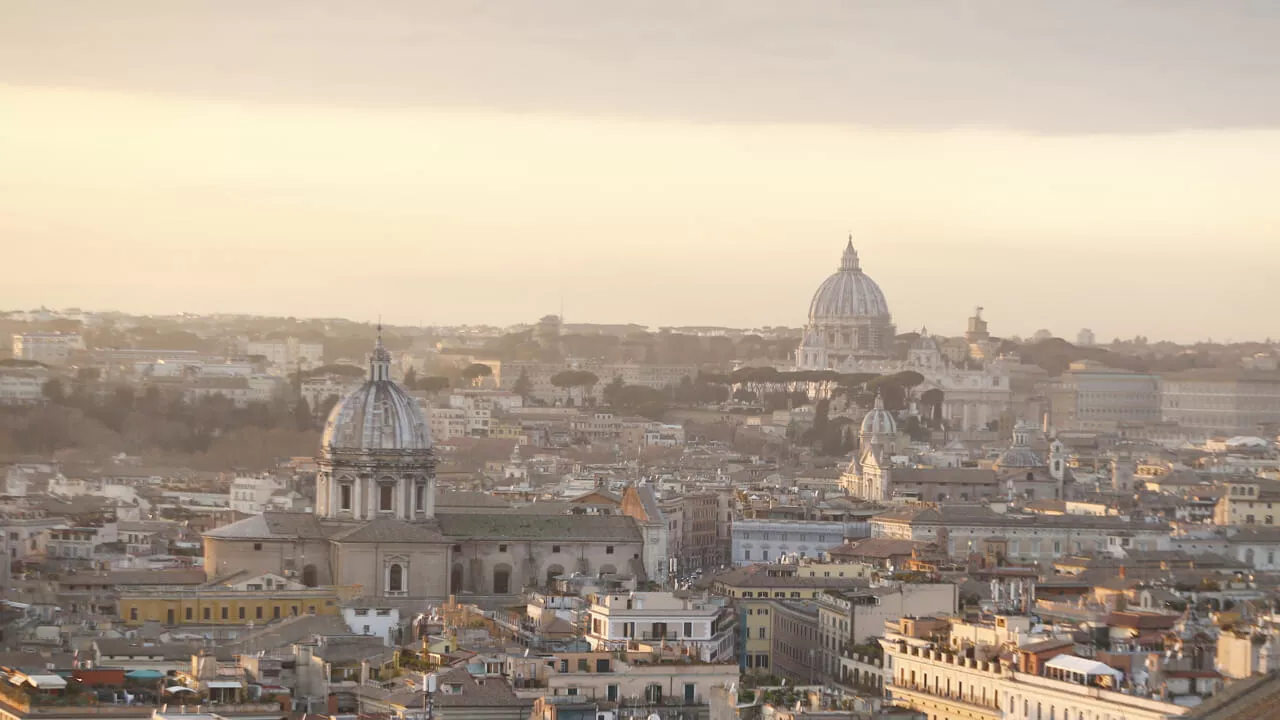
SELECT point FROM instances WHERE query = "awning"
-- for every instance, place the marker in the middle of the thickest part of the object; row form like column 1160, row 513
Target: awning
column 144, row 674
column 47, row 682
column 225, row 684
column 178, row 689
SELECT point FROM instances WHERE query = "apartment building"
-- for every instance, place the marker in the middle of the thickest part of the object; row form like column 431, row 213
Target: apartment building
column 48, row 348
column 1248, row 501
column 855, row 617
column 754, row 591
column 952, row 670
column 706, row 626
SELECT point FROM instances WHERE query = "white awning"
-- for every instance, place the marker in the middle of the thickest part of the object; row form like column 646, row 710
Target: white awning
column 225, row 684
column 1084, row 666
column 47, row 682
column 178, row 689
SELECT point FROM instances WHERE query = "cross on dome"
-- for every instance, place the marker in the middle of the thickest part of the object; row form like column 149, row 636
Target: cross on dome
column 379, row 360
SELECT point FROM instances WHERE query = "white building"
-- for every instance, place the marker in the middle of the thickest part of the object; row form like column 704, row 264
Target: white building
column 46, row 347
column 315, row 390
column 772, row 540
column 447, row 423
column 288, row 353
column 381, row 621
column 22, row 386
column 617, row 621
column 252, row 494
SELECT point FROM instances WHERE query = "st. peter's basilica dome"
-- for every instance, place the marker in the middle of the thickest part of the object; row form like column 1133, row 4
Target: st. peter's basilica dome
column 848, row 293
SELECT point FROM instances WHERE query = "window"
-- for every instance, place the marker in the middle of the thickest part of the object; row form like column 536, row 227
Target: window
column 191, row 614
column 344, row 496
column 688, row 629
column 226, row 613
column 746, row 554
column 502, row 548
column 133, row 613
column 275, row 612
column 208, row 613
column 419, row 495
column 582, row 665
column 257, row 546
column 395, row 578
column 457, row 548
column 608, row 549
column 241, row 613
column 760, row 633
column 555, row 548
column 257, row 612
column 386, row 494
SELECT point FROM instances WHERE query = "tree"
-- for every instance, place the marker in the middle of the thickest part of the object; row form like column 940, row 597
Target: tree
column 326, row 406
column 433, row 383
column 612, row 390
column 523, row 386
column 54, row 392
column 475, row 371
column 302, row 417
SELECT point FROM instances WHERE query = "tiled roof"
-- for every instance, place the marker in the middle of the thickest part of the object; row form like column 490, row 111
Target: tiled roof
column 390, row 530
column 469, row 499
column 272, row 525
column 466, row 526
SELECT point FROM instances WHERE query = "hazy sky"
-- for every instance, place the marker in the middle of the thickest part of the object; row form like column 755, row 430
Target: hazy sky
column 1064, row 164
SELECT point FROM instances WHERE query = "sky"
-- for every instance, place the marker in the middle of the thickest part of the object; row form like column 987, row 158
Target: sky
column 1064, row 165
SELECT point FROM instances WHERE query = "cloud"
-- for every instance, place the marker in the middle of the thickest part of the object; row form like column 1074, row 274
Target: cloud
column 1037, row 66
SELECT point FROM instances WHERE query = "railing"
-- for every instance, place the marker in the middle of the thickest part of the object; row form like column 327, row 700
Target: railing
column 139, row 710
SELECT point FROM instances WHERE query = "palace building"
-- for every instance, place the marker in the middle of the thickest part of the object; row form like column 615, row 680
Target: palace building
column 376, row 525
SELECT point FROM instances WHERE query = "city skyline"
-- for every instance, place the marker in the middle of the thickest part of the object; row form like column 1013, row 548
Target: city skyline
column 716, row 189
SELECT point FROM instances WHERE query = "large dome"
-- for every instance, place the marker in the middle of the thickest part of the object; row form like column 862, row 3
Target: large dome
column 849, row 293
column 378, row 415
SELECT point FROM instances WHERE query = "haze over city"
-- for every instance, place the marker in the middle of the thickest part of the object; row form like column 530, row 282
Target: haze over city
column 646, row 163
column 639, row 360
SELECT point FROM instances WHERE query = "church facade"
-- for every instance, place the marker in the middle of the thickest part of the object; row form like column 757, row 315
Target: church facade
column 376, row 526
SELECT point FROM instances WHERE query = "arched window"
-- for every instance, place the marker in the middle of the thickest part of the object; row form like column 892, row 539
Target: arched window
column 344, row 496
column 395, row 578
column 501, row 580
column 386, row 497
column 419, row 496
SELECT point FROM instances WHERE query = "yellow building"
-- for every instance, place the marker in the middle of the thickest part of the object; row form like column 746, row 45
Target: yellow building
column 257, row 600
column 753, row 586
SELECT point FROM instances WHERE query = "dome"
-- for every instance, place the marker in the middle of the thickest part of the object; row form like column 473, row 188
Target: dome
column 879, row 421
column 379, row 415
column 1020, row 455
column 925, row 342
column 849, row 293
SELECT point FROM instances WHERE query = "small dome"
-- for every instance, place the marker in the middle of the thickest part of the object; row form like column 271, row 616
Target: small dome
column 879, row 421
column 1020, row 455
column 378, row 415
column 925, row 342
column 1020, row 458
column 848, row 293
